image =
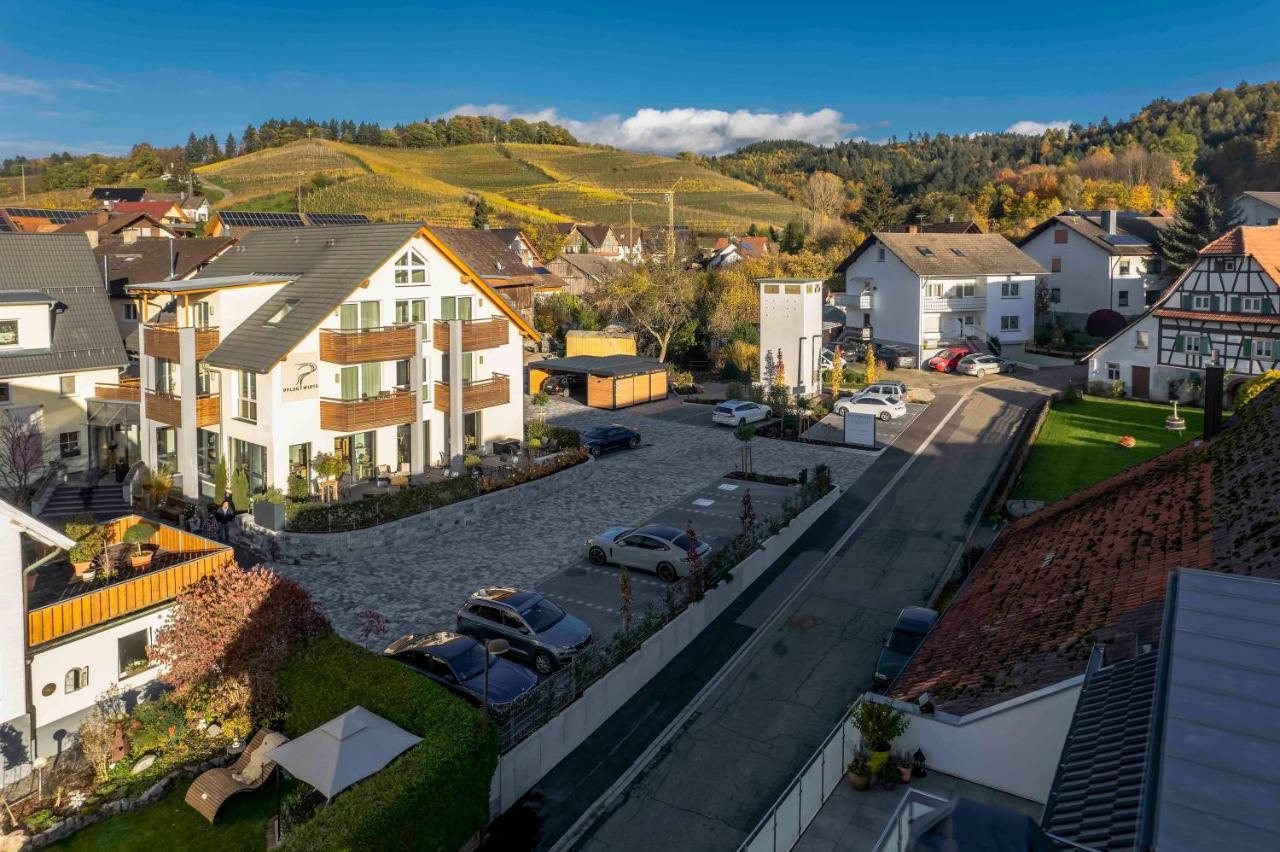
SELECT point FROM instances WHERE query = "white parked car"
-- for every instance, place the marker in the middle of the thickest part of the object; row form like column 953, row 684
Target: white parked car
column 885, row 389
column 885, row 407
column 981, row 365
column 662, row 550
column 735, row 412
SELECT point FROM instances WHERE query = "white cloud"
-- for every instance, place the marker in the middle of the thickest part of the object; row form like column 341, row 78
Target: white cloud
column 13, row 85
column 1036, row 128
column 704, row 131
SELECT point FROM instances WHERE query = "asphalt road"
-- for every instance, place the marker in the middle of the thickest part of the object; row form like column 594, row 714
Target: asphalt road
column 715, row 775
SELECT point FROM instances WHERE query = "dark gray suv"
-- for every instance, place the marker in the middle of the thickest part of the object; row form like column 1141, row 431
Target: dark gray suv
column 540, row 632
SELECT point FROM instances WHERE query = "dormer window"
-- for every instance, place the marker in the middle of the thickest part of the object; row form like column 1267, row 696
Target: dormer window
column 8, row 332
column 411, row 268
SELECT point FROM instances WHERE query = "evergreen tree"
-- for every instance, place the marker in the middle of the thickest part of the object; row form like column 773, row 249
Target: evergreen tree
column 229, row 150
column 773, row 234
column 879, row 207
column 192, row 151
column 480, row 218
column 212, row 150
column 752, row 230
column 1199, row 219
column 792, row 240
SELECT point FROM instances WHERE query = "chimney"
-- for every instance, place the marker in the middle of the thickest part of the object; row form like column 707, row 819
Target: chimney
column 1214, row 376
column 913, row 229
column 1109, row 221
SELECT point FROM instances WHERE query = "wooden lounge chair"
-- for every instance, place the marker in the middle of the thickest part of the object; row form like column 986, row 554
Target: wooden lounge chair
column 207, row 793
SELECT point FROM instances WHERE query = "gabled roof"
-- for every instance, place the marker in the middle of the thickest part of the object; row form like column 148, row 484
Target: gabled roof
column 156, row 209
column 61, row 266
column 952, row 255
column 962, row 227
column 598, row 269
column 489, row 254
column 595, row 234
column 118, row 193
column 325, row 265
column 109, row 223
column 156, row 259
column 1135, row 233
column 1093, row 568
column 1271, row 198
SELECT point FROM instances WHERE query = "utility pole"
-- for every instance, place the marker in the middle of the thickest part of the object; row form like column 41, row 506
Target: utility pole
column 24, row 182
column 671, row 222
column 299, row 192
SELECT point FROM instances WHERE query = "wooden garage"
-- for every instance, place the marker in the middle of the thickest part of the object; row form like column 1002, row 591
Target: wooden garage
column 611, row 381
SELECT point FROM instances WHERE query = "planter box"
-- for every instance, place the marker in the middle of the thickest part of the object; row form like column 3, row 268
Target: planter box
column 269, row 515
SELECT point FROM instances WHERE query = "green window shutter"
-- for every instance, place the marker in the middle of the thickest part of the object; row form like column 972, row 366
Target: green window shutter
column 1267, row 307
column 1246, row 348
column 1235, row 304
column 1215, row 303
column 1177, row 343
column 1186, row 301
column 1204, row 345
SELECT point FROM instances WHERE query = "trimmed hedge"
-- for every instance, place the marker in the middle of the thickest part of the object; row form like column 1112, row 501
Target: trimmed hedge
column 379, row 509
column 435, row 796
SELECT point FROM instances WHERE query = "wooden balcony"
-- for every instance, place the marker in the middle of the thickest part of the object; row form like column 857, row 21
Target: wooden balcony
column 180, row 560
column 167, row 408
column 161, row 341
column 357, row 415
column 485, row 393
column 476, row 334
column 387, row 343
column 128, row 390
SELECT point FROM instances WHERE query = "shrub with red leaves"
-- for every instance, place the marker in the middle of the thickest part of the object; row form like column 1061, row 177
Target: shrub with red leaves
column 236, row 625
column 1104, row 323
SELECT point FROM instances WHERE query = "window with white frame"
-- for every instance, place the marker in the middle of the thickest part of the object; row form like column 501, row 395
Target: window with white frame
column 1224, row 264
column 1125, row 266
column 1251, row 304
column 1010, row 289
column 132, row 650
column 1190, row 341
column 1264, row 348
column 1122, row 298
column 1200, row 303
column 247, row 397
column 933, row 291
column 130, row 311
column 67, row 385
column 426, row 379
column 1009, row 323
column 1113, row 371
column 1141, row 339
column 76, row 679
column 411, row 268
column 68, row 444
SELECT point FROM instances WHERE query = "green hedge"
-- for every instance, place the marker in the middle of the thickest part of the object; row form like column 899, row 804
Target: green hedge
column 379, row 509
column 435, row 796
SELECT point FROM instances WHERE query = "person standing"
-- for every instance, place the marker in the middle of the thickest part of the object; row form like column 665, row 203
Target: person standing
column 226, row 515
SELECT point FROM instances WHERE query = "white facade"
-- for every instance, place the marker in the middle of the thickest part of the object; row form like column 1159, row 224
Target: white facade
column 791, row 323
column 271, row 422
column 1256, row 211
column 1084, row 277
column 887, row 301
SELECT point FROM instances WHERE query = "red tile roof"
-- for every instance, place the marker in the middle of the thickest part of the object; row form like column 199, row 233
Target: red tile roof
column 1261, row 242
column 155, row 209
column 1178, row 313
column 1092, row 568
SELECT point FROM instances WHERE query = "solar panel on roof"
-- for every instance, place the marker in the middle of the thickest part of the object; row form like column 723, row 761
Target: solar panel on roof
column 322, row 219
column 260, row 219
column 57, row 217
column 4, row 225
column 1124, row 240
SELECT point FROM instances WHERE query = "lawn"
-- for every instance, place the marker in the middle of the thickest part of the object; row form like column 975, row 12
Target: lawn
column 170, row 823
column 1078, row 445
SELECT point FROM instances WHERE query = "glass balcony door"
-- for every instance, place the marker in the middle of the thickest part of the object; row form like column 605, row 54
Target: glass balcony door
column 356, row 316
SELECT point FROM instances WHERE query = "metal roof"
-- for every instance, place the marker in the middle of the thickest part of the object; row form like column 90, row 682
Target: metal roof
column 1218, row 750
column 213, row 282
column 62, row 267
column 602, row 365
column 25, row 297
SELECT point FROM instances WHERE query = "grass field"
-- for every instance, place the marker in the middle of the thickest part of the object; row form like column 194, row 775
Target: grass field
column 521, row 183
column 1078, row 444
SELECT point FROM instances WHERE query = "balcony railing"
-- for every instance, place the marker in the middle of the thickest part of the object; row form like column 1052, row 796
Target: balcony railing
column 161, row 341
column 167, row 408
column 358, row 346
column 182, row 559
column 355, row 415
column 485, row 393
column 938, row 304
column 126, row 391
column 476, row 334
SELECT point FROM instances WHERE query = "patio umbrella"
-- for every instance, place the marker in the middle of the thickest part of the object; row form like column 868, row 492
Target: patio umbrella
column 343, row 750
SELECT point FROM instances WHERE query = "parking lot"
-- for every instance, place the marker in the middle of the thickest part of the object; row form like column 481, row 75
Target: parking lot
column 714, row 510
column 831, row 428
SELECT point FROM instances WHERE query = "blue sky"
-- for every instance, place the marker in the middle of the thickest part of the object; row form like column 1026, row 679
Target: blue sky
column 659, row 76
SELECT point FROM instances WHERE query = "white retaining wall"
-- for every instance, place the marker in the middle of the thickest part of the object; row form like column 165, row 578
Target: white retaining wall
column 526, row 764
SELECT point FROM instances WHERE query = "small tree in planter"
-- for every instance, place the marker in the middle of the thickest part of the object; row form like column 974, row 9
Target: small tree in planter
column 472, row 463
column 268, row 509
column 879, row 724
column 859, row 772
column 90, row 539
column 157, row 485
column 745, row 433
column 138, row 535
column 330, row 468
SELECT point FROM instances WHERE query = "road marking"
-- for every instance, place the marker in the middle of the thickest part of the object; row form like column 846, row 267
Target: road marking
column 596, row 810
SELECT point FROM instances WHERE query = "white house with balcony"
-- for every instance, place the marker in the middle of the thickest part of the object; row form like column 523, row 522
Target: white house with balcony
column 1226, row 306
column 791, row 330
column 1097, row 261
column 374, row 342
column 929, row 290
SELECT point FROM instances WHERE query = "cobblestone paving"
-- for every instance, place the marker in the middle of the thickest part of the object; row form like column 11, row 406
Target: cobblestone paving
column 419, row 588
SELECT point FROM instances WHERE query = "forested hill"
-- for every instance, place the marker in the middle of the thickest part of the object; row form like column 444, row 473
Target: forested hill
column 1230, row 137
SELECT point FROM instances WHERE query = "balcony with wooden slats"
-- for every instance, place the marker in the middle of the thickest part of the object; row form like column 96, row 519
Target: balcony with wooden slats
column 61, row 603
column 127, row 390
column 357, row 415
column 476, row 334
column 486, row 393
column 161, row 341
column 167, row 408
column 386, row 343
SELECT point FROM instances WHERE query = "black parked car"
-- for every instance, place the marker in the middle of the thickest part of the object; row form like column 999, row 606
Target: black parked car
column 601, row 439
column 891, row 356
column 457, row 662
column 562, row 383
column 914, row 623
column 538, row 630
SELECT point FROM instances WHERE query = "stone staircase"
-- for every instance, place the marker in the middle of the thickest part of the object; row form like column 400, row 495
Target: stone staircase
column 107, row 501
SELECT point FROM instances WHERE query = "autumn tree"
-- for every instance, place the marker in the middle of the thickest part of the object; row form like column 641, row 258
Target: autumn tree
column 837, row 371
column 823, row 194
column 872, row 371
column 661, row 299
column 236, row 626
column 26, row 458
column 1199, row 219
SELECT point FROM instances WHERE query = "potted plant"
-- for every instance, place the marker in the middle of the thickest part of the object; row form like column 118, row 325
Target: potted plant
column 472, row 463
column 138, row 535
column 268, row 509
column 330, row 468
column 903, row 761
column 90, row 541
column 879, row 724
column 888, row 776
column 157, row 485
column 859, row 773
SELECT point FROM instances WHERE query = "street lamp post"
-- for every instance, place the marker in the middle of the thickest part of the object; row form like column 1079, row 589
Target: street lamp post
column 497, row 647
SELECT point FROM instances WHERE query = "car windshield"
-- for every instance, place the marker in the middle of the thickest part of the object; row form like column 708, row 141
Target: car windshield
column 903, row 642
column 542, row 615
column 469, row 663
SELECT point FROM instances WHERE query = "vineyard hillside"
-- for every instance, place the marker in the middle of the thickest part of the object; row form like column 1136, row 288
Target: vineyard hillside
column 519, row 182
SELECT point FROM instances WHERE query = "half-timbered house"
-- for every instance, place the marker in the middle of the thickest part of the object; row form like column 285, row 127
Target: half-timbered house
column 1225, row 309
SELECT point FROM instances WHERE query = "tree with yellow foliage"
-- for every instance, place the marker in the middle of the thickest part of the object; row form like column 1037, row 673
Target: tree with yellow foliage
column 872, row 371
column 837, row 372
